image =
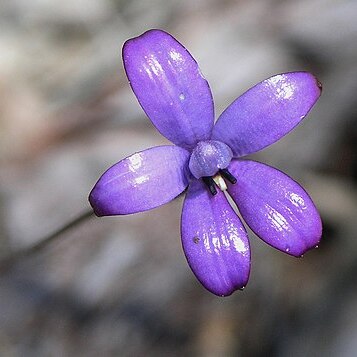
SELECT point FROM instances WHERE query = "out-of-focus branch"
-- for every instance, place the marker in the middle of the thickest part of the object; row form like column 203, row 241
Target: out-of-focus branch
column 7, row 262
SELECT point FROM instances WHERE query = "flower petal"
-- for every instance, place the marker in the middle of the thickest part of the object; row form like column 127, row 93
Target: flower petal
column 142, row 181
column 214, row 241
column 275, row 207
column 170, row 87
column 267, row 112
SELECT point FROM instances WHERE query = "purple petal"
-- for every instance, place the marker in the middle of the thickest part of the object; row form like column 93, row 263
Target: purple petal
column 275, row 207
column 214, row 241
column 142, row 181
column 267, row 112
column 170, row 87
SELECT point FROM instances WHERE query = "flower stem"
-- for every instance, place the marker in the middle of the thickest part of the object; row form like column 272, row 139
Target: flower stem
column 7, row 262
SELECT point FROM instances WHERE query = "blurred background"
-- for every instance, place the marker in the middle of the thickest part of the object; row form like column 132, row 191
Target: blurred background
column 121, row 286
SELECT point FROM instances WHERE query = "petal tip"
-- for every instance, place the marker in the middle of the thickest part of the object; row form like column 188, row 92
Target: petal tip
column 319, row 84
column 226, row 292
column 300, row 253
column 149, row 32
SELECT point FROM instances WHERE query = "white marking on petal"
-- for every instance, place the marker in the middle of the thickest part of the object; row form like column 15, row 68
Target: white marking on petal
column 141, row 179
column 283, row 89
column 176, row 56
column 297, row 200
column 276, row 219
column 136, row 162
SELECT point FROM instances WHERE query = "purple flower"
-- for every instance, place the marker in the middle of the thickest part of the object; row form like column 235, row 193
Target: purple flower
column 206, row 158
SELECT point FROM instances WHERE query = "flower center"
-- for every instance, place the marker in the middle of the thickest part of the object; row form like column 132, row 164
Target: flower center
column 209, row 160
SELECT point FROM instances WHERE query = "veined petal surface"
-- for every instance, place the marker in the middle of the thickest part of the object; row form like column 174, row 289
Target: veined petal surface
column 170, row 87
column 275, row 207
column 267, row 112
column 141, row 181
column 214, row 241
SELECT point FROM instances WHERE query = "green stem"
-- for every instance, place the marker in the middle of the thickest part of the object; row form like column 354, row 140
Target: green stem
column 7, row 262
